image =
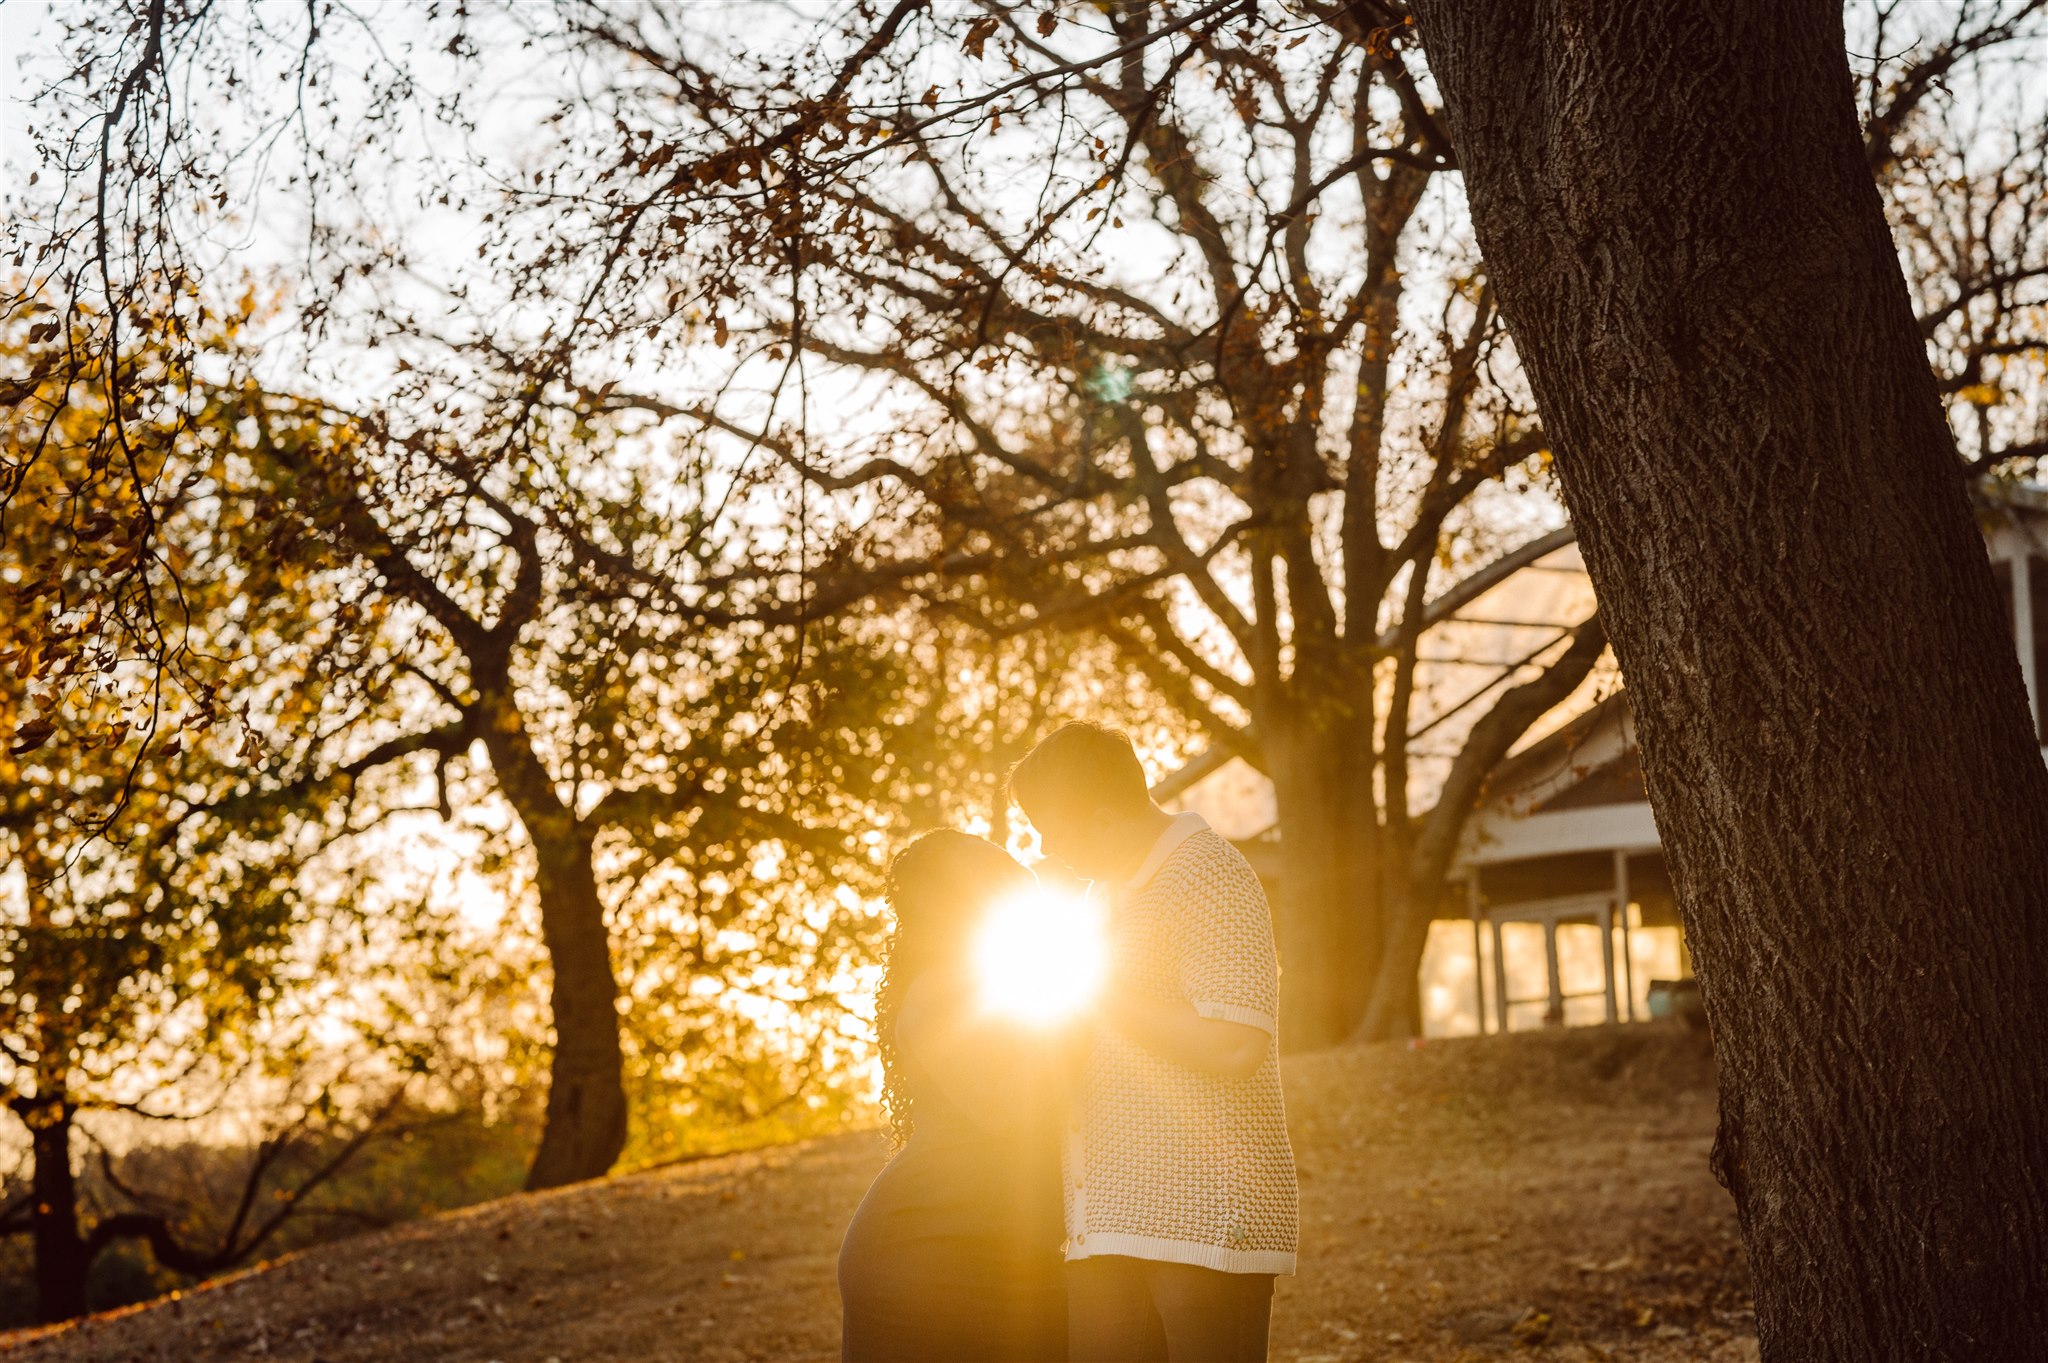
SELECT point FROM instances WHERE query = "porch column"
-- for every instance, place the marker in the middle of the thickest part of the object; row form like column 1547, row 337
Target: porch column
column 1628, row 955
column 1478, row 951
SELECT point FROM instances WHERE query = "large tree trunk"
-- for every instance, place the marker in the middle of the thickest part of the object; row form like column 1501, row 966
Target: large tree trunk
column 1326, row 911
column 586, row 1110
column 61, row 1260
column 1676, row 211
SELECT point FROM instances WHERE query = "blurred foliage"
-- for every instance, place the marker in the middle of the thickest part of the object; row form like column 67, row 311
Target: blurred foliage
column 167, row 938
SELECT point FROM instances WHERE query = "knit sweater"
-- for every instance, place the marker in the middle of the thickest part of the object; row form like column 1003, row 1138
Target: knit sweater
column 1165, row 1162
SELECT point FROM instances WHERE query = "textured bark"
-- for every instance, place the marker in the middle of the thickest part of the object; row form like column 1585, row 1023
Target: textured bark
column 1678, row 215
column 586, row 1113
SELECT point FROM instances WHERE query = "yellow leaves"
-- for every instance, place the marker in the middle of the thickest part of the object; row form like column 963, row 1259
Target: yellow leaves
column 24, row 658
column 1380, row 41
column 1982, row 394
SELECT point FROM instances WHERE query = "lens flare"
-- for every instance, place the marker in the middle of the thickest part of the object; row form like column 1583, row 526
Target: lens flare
column 1041, row 957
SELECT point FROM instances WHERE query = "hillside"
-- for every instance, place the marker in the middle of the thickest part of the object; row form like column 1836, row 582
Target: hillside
column 1545, row 1196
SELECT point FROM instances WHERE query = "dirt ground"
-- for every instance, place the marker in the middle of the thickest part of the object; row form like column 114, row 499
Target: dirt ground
column 1542, row 1197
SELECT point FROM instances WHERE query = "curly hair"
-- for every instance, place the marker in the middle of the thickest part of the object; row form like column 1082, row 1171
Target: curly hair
column 889, row 1002
column 937, row 888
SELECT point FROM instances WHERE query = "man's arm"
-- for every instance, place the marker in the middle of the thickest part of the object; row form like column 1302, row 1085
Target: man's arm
column 1174, row 1031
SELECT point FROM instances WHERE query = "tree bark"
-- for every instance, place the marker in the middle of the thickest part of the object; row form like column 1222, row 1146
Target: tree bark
column 1678, row 215
column 586, row 1112
column 1327, row 918
column 585, row 1127
column 61, row 1260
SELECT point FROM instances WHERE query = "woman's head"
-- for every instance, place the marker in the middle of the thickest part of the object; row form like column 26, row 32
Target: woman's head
column 941, row 885
column 940, row 888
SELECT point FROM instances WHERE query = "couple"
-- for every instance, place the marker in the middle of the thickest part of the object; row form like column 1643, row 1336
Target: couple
column 1145, row 1145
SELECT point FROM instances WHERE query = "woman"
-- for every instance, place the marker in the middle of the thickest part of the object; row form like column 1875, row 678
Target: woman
column 954, row 1254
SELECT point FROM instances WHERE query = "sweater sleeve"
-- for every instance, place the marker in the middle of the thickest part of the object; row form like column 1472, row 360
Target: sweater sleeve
column 1224, row 939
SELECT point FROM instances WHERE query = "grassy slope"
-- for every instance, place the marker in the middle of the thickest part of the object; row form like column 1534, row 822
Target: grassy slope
column 1544, row 1197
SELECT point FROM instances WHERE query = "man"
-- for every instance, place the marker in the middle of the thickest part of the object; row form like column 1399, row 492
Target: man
column 1180, row 1191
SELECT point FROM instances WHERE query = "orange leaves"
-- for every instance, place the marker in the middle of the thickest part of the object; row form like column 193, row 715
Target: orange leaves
column 978, row 34
column 30, row 736
column 1380, row 41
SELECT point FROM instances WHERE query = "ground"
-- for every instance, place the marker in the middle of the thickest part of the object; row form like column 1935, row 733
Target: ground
column 1541, row 1197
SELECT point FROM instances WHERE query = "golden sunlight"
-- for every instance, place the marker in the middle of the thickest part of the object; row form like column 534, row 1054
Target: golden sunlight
column 1041, row 957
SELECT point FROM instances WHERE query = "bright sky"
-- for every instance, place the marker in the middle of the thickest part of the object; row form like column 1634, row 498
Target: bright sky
column 21, row 23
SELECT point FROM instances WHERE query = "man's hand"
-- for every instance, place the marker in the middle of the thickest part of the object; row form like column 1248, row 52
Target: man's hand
column 1173, row 1030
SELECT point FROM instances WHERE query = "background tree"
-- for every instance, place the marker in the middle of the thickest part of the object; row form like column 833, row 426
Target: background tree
column 592, row 632
column 1835, row 736
column 1960, row 155
column 141, row 973
column 1158, row 387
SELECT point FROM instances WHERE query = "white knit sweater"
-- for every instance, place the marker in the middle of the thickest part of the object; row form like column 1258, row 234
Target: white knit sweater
column 1164, row 1162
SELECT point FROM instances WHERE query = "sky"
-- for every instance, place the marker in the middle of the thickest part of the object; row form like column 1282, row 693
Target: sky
column 22, row 23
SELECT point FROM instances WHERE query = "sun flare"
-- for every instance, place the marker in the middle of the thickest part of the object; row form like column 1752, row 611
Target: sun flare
column 1041, row 957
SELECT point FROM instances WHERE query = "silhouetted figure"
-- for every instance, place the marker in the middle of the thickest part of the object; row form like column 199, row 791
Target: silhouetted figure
column 954, row 1254
column 1179, row 1178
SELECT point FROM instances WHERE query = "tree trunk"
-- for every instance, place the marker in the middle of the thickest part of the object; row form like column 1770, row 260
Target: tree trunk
column 1326, row 912
column 60, row 1255
column 586, row 1111
column 1676, row 211
column 1396, row 1007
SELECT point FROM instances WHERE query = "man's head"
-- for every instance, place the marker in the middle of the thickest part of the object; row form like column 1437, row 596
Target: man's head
column 1084, row 792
